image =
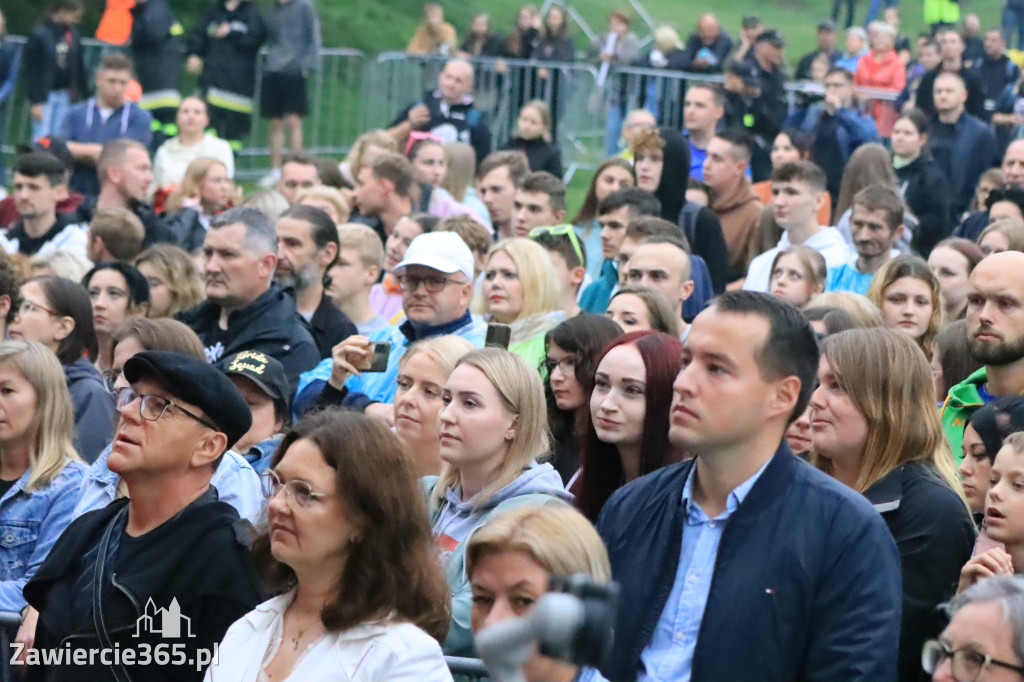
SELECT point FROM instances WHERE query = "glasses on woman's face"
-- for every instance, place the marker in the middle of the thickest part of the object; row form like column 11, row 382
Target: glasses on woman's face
column 567, row 365
column 968, row 664
column 298, row 491
column 28, row 307
column 152, row 406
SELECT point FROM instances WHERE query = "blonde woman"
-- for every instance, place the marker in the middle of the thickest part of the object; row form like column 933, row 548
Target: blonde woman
column 510, row 561
column 875, row 428
column 40, row 471
column 328, row 199
column 909, row 297
column 458, row 180
column 422, row 373
column 1005, row 234
column 861, row 310
column 206, row 187
column 520, row 289
column 174, row 282
column 493, row 430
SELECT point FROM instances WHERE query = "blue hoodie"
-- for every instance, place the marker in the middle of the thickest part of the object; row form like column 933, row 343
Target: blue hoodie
column 453, row 521
column 94, row 409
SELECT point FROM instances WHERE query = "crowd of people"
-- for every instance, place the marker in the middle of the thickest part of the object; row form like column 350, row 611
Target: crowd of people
column 768, row 376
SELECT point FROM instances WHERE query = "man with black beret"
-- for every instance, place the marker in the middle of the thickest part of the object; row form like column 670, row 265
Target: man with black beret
column 168, row 564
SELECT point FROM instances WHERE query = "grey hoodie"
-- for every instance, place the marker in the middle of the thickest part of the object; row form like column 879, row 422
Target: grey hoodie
column 293, row 38
column 453, row 522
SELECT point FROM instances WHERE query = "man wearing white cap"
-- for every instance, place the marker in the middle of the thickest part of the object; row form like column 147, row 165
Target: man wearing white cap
column 436, row 277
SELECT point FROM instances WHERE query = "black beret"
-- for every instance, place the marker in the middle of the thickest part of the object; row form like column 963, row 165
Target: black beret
column 195, row 382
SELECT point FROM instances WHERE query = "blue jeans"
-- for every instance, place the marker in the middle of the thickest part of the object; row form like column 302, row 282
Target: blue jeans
column 1013, row 22
column 54, row 110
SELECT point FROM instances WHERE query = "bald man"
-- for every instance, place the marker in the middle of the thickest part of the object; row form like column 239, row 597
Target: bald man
column 963, row 145
column 448, row 111
column 995, row 337
column 708, row 48
column 1013, row 173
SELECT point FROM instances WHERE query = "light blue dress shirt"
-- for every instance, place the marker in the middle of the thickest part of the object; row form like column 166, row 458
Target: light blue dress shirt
column 669, row 655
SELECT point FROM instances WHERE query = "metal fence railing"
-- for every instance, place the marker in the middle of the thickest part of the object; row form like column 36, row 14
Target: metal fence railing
column 353, row 92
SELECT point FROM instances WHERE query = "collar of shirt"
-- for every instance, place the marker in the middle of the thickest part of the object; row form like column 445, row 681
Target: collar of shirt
column 694, row 512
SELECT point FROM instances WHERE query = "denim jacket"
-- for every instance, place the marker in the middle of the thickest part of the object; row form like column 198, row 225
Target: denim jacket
column 235, row 481
column 29, row 525
column 259, row 455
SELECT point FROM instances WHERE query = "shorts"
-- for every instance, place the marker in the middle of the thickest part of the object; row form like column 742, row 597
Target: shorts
column 282, row 94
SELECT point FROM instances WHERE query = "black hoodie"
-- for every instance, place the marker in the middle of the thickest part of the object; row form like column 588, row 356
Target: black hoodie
column 926, row 190
column 705, row 237
column 199, row 557
column 270, row 325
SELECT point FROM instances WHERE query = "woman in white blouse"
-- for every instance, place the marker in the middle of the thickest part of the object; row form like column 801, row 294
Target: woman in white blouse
column 349, row 547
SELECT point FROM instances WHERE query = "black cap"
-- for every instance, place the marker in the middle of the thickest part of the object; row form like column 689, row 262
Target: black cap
column 772, row 37
column 827, row 25
column 744, row 70
column 195, row 382
column 54, row 145
column 262, row 370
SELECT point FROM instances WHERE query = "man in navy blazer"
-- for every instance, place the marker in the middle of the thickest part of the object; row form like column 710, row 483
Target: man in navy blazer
column 746, row 563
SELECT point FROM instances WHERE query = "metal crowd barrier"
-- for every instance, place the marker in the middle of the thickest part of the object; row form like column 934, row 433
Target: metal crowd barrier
column 352, row 93
column 394, row 80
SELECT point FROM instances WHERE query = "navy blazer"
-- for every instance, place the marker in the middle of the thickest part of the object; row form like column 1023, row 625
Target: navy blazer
column 806, row 584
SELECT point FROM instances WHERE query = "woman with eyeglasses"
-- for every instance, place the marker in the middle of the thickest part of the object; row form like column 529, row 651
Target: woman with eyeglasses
column 235, row 480
column 627, row 435
column 875, row 428
column 572, row 351
column 39, row 469
column 493, row 430
column 118, row 292
column 348, row 550
column 520, row 288
column 57, row 313
column 982, row 642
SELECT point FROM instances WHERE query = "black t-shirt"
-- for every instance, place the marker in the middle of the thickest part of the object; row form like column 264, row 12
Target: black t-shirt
column 6, row 485
column 82, row 606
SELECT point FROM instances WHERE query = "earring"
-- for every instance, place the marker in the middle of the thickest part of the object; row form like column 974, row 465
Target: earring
column 509, row 436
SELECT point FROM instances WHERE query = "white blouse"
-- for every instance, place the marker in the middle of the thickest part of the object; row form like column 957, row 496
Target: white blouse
column 389, row 650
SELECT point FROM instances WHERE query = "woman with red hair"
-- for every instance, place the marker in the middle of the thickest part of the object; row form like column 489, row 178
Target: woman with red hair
column 627, row 436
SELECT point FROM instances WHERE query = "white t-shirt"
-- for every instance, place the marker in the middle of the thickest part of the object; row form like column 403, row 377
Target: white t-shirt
column 828, row 242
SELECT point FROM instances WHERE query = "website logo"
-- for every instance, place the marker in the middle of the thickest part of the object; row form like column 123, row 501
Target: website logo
column 169, row 623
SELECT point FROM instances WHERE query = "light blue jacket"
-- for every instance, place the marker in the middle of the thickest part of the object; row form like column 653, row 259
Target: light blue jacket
column 235, row 481
column 29, row 525
column 380, row 386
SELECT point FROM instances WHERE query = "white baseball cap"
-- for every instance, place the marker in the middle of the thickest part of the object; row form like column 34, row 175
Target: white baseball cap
column 442, row 251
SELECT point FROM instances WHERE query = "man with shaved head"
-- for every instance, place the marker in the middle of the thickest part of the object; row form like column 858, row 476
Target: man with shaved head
column 995, row 336
column 448, row 111
column 963, row 145
column 708, row 48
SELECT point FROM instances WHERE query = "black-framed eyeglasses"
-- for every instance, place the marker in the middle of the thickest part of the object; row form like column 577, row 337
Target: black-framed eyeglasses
column 153, row 406
column 299, row 491
column 432, row 283
column 567, row 365
column 968, row 664
column 561, row 231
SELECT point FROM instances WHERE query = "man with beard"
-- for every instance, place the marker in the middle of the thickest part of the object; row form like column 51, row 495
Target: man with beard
column 244, row 309
column 307, row 245
column 995, row 336
column 875, row 225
